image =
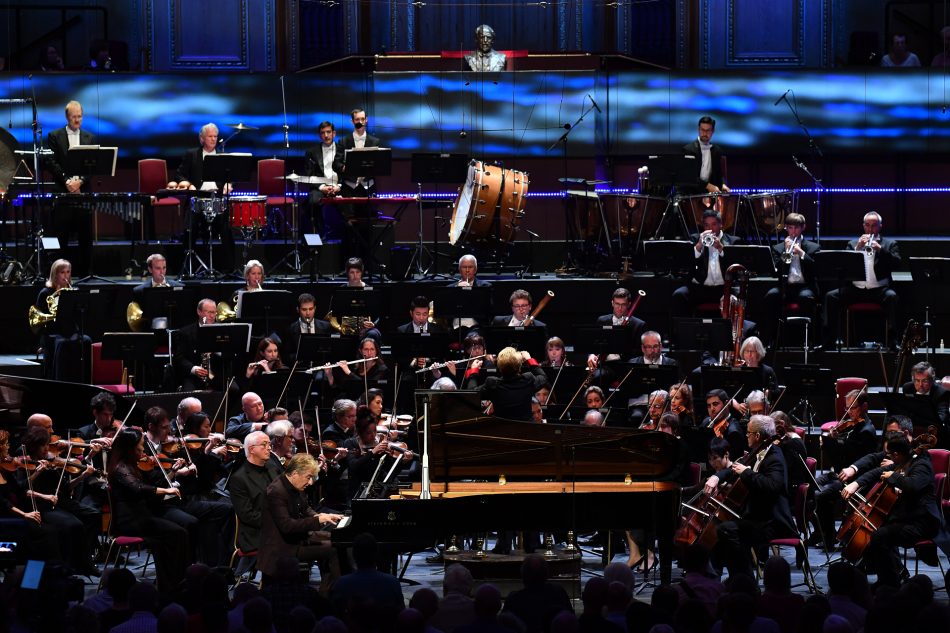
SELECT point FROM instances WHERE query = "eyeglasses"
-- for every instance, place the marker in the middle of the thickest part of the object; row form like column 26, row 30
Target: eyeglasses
column 267, row 444
column 520, row 306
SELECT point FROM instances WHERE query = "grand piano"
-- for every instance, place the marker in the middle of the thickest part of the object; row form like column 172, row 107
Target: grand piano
column 489, row 474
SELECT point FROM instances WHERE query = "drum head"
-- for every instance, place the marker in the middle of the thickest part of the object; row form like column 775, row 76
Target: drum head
column 8, row 162
column 463, row 205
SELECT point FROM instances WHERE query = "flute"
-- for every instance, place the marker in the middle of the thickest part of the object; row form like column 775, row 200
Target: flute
column 445, row 364
column 331, row 365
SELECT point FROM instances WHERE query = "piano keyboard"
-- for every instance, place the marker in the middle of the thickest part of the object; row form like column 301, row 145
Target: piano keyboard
column 130, row 207
column 345, row 521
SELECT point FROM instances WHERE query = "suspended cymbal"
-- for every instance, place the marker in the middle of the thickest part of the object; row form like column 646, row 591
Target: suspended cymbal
column 241, row 127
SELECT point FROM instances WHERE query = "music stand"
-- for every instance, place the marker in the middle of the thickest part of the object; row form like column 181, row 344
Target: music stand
column 604, row 339
column 530, row 339
column 671, row 257
column 730, row 379
column 367, row 162
column 930, row 275
column 673, row 170
column 471, row 302
column 807, row 382
column 356, row 302
column 645, row 379
column 264, row 307
column 408, row 345
column 711, row 335
column 568, row 379
column 920, row 409
column 80, row 311
column 230, row 340
column 227, row 169
column 269, row 386
column 131, row 348
column 88, row 161
column 839, row 268
column 756, row 259
column 176, row 305
column 318, row 348
column 433, row 168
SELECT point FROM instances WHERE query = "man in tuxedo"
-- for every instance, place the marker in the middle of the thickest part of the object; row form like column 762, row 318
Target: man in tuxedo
column 157, row 268
column 189, row 175
column 307, row 323
column 320, row 159
column 68, row 216
column 521, row 305
column 187, row 360
column 881, row 257
column 358, row 237
column 419, row 324
column 651, row 353
column 710, row 178
column 706, row 285
column 468, row 269
column 798, row 282
column 923, row 385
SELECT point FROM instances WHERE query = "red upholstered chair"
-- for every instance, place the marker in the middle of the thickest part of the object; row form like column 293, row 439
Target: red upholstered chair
column 843, row 386
column 940, row 459
column 270, row 183
column 119, row 544
column 708, row 309
column 108, row 373
column 153, row 175
column 800, row 514
column 927, row 550
column 867, row 309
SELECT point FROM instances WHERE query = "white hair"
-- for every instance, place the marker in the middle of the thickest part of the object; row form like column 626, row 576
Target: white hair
column 444, row 384
column 279, row 428
column 253, row 438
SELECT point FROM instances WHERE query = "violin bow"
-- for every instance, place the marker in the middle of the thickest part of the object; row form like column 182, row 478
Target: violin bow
column 286, row 384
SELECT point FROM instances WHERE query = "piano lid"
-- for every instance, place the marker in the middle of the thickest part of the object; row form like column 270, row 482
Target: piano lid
column 465, row 443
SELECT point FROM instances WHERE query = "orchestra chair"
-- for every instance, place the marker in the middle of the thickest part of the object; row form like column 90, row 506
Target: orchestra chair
column 119, row 544
column 707, row 310
column 246, row 569
column 270, row 183
column 153, row 176
column 800, row 512
column 108, row 374
column 865, row 309
column 927, row 550
column 843, row 386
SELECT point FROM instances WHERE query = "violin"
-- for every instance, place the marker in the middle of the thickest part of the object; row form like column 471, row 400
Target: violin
column 846, row 424
column 72, row 466
column 148, row 463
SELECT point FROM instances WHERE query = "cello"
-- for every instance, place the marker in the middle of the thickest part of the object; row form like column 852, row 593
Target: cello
column 871, row 512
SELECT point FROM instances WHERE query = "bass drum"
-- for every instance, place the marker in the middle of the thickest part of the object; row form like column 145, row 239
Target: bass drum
column 489, row 191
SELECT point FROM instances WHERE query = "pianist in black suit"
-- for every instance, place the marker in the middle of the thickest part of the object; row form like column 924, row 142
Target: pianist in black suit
column 510, row 393
column 157, row 267
column 923, row 385
column 68, row 217
column 190, row 177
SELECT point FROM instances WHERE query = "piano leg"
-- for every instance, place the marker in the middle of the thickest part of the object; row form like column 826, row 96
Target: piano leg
column 665, row 547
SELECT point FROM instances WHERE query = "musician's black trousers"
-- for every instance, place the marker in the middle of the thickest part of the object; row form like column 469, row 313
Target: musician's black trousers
column 881, row 554
column 826, row 498
column 735, row 542
column 837, row 300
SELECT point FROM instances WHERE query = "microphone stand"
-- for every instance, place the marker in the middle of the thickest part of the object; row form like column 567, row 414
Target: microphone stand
column 292, row 259
column 569, row 264
column 816, row 150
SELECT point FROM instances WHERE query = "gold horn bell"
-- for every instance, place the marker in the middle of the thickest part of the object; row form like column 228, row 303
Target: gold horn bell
column 133, row 316
column 38, row 320
column 224, row 312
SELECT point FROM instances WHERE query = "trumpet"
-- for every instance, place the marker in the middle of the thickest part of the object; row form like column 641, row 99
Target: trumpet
column 332, row 365
column 446, row 364
column 708, row 240
column 544, row 301
column 789, row 247
column 870, row 240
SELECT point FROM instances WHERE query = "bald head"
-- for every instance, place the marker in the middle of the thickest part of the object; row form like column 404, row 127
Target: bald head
column 40, row 419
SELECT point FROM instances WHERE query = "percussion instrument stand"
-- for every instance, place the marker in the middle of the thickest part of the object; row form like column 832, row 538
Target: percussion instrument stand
column 420, row 248
column 292, row 259
column 187, row 267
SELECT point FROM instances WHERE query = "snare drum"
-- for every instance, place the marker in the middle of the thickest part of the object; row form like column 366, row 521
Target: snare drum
column 489, row 191
column 208, row 207
column 248, row 211
column 724, row 203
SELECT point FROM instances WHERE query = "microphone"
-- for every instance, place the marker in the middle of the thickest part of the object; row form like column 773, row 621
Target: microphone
column 779, row 100
column 594, row 103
